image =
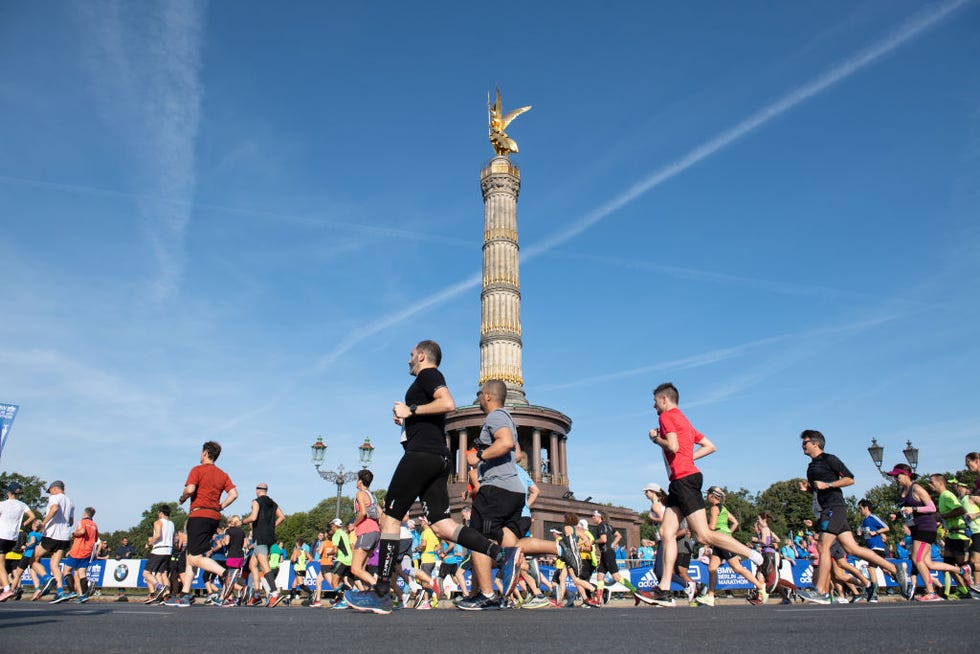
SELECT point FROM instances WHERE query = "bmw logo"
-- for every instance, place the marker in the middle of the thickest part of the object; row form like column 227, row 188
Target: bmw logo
column 121, row 572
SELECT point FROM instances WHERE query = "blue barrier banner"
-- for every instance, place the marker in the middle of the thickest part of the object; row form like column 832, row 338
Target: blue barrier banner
column 7, row 414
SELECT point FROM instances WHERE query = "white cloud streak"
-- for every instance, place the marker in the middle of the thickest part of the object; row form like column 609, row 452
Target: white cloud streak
column 821, row 83
column 912, row 28
column 723, row 354
column 146, row 72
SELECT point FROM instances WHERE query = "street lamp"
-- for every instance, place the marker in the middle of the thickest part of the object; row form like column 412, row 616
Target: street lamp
column 339, row 476
column 877, row 453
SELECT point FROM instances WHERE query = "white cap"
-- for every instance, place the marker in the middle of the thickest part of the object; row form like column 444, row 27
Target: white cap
column 583, row 523
column 653, row 487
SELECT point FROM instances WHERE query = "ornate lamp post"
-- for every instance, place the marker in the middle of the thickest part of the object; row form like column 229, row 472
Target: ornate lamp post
column 877, row 453
column 339, row 476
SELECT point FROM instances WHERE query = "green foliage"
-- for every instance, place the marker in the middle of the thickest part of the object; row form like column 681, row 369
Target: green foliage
column 139, row 534
column 741, row 504
column 34, row 493
column 786, row 506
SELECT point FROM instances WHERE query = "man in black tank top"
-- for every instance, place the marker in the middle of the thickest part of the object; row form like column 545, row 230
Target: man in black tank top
column 265, row 517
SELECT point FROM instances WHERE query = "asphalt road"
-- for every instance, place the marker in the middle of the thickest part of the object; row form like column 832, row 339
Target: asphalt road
column 130, row 628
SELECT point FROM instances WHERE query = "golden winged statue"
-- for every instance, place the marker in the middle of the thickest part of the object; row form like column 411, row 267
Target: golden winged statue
column 503, row 145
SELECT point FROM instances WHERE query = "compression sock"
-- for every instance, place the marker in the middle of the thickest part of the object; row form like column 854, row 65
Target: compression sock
column 626, row 582
column 387, row 549
column 270, row 578
column 471, row 539
column 84, row 585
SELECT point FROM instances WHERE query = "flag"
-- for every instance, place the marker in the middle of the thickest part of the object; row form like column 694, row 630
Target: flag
column 7, row 414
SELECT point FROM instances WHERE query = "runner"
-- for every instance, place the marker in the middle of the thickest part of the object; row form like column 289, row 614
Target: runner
column 499, row 500
column 24, row 565
column 264, row 518
column 872, row 528
column 366, row 527
column 235, row 561
column 14, row 515
column 678, row 439
column 606, row 540
column 826, row 475
column 204, row 486
column 344, row 558
column 423, row 473
column 920, row 516
column 57, row 524
column 722, row 521
column 161, row 544
column 971, row 513
column 79, row 556
column 957, row 542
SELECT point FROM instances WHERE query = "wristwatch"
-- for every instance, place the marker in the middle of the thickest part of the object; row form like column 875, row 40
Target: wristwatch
column 479, row 455
column 413, row 408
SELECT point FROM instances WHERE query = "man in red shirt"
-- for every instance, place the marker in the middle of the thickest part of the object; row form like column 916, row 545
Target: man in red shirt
column 205, row 484
column 86, row 534
column 678, row 439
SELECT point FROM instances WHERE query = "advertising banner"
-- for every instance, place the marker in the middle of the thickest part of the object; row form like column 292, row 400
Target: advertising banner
column 7, row 414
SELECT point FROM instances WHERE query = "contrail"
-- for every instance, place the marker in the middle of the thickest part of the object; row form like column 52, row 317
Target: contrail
column 848, row 67
column 841, row 71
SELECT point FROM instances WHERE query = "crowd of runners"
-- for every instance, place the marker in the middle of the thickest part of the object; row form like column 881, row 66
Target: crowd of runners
column 361, row 562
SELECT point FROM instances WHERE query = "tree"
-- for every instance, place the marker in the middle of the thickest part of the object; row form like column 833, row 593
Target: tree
column 741, row 504
column 33, row 493
column 786, row 506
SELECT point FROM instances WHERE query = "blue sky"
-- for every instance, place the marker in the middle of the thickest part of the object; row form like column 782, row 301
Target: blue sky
column 234, row 220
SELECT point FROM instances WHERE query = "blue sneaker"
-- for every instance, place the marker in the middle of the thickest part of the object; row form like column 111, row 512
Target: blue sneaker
column 180, row 601
column 82, row 599
column 342, row 604
column 369, row 602
column 61, row 596
column 510, row 560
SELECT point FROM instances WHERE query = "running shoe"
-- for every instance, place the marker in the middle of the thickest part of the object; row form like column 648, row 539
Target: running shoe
column 967, row 572
column 424, row 605
column 509, row 561
column 180, row 601
column 479, row 603
column 705, row 600
column 46, row 587
column 61, row 596
column 5, row 595
column 369, row 602
column 905, row 584
column 591, row 602
column 315, row 604
column 871, row 591
column 569, row 554
column 929, row 597
column 18, row 594
column 642, row 596
column 691, row 590
column 435, row 600
column 975, row 594
column 275, row 599
column 813, row 596
column 82, row 599
column 342, row 604
column 660, row 597
column 537, row 602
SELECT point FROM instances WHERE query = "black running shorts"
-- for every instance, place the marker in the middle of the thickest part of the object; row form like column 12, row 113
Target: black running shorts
column 494, row 509
column 419, row 475
column 50, row 545
column 607, row 562
column 157, row 563
column 833, row 520
column 685, row 494
column 199, row 534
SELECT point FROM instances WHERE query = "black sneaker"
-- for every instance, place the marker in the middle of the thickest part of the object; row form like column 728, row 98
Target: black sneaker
column 479, row 603
column 660, row 597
